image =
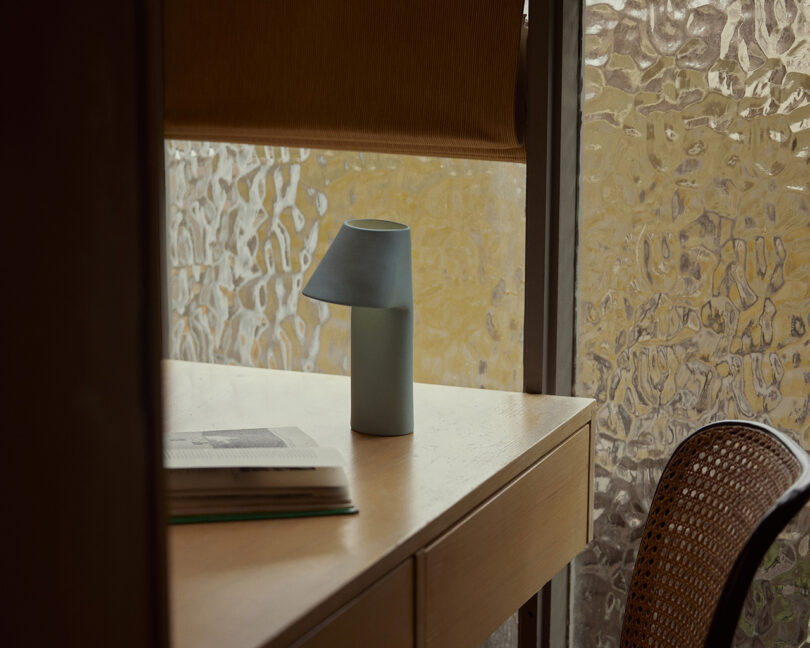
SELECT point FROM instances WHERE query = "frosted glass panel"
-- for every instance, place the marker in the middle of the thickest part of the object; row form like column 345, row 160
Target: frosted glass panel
column 696, row 208
column 248, row 224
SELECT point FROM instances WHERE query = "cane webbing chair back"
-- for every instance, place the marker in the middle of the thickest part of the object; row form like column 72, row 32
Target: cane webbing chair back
column 726, row 493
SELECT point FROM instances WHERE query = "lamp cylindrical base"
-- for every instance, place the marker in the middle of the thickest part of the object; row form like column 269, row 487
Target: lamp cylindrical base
column 382, row 371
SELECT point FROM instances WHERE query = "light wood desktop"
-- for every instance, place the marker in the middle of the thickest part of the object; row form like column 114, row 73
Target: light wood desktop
column 459, row 523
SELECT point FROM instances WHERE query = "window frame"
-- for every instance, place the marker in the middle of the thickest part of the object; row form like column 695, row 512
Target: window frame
column 553, row 121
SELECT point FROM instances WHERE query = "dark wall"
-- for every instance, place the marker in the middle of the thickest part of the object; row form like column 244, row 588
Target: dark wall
column 82, row 557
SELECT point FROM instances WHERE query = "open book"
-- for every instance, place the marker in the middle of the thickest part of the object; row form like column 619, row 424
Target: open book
column 223, row 475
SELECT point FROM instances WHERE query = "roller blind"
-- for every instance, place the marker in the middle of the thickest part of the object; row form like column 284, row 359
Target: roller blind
column 426, row 77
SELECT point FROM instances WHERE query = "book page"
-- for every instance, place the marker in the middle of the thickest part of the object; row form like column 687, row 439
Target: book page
column 209, row 457
column 276, row 437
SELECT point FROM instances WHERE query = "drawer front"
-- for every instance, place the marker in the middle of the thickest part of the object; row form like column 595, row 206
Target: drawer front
column 479, row 572
column 380, row 616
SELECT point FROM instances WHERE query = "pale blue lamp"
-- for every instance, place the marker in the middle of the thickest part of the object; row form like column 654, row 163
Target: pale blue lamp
column 368, row 267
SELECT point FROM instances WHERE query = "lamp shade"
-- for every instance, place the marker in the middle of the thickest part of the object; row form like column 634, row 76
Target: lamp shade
column 368, row 264
column 422, row 77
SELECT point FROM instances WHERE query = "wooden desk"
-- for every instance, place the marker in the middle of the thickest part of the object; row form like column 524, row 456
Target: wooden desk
column 459, row 523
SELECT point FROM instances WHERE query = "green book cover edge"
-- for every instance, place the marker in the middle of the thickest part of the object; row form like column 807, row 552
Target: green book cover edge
column 239, row 517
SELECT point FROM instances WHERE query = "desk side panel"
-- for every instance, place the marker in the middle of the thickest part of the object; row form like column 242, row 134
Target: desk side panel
column 591, row 478
column 487, row 565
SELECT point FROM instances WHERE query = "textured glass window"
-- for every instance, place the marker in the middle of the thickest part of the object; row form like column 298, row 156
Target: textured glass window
column 246, row 226
column 695, row 195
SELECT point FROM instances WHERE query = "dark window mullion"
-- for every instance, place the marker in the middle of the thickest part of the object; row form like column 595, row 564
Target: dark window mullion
column 552, row 168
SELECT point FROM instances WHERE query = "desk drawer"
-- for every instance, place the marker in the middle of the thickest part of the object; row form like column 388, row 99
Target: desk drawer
column 380, row 616
column 486, row 566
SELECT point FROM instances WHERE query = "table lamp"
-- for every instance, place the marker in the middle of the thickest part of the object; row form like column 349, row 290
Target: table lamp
column 368, row 267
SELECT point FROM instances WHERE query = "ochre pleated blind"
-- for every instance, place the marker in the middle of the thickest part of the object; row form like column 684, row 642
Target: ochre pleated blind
column 426, row 77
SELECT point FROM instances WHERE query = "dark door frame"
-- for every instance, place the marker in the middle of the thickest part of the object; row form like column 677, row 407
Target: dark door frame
column 84, row 535
column 552, row 170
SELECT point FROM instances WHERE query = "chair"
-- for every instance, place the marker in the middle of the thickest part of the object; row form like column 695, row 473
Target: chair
column 725, row 494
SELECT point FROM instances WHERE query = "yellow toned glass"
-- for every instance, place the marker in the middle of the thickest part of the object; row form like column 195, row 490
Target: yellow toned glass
column 247, row 224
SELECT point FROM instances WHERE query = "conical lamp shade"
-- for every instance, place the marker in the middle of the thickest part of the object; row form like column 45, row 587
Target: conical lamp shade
column 368, row 264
